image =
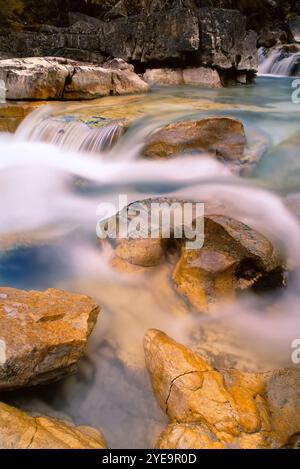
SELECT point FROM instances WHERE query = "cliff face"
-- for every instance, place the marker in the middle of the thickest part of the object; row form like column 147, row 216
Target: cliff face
column 17, row 14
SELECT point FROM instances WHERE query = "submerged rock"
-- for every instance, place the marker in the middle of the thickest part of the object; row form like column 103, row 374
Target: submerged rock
column 58, row 78
column 43, row 335
column 221, row 136
column 19, row 430
column 210, row 408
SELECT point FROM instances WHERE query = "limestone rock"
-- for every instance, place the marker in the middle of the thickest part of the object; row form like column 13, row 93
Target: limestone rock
column 222, row 136
column 210, row 408
column 197, row 76
column 21, row 431
column 234, row 258
column 43, row 335
column 58, row 78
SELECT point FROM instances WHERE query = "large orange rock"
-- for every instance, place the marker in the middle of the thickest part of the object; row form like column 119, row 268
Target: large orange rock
column 224, row 137
column 43, row 335
column 210, row 408
column 19, row 430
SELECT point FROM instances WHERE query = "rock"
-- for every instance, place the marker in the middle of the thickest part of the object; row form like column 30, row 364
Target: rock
column 43, row 335
column 21, row 431
column 210, row 408
column 234, row 258
column 225, row 42
column 58, row 78
column 37, row 78
column 181, row 36
column 164, row 76
column 222, row 136
column 294, row 25
column 200, row 76
column 272, row 38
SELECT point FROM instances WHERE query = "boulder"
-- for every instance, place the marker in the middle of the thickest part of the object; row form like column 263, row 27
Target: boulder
column 294, row 26
column 58, row 78
column 196, row 76
column 211, row 408
column 222, row 136
column 43, row 335
column 19, row 430
column 234, row 258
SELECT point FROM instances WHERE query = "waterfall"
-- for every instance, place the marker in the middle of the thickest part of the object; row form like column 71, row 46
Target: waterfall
column 68, row 133
column 283, row 61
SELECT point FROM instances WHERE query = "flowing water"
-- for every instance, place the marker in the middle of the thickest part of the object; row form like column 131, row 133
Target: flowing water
column 281, row 60
column 66, row 159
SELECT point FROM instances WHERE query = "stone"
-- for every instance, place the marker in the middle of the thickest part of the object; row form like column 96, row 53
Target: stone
column 234, row 258
column 43, row 335
column 221, row 136
column 225, row 41
column 58, row 78
column 210, row 408
column 164, row 76
column 294, row 26
column 197, row 76
column 19, row 430
column 178, row 35
column 37, row 78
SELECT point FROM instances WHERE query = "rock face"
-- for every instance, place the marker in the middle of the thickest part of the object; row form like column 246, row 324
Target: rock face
column 198, row 76
column 234, row 258
column 181, row 36
column 21, row 431
column 43, row 335
column 294, row 25
column 210, row 408
column 57, row 78
column 221, row 136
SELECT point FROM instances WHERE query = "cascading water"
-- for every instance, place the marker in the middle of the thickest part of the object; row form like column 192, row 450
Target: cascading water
column 48, row 233
column 282, row 61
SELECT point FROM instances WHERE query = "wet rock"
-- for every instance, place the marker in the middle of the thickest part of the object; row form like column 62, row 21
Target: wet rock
column 58, row 78
column 294, row 26
column 222, row 136
column 210, row 408
column 19, row 430
column 43, row 335
column 197, row 76
column 234, row 258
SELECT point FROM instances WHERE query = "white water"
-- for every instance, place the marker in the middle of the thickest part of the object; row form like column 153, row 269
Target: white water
column 278, row 62
column 38, row 190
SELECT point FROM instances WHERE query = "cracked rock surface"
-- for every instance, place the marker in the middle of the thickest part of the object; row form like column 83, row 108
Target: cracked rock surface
column 43, row 335
column 19, row 430
column 59, row 78
column 210, row 408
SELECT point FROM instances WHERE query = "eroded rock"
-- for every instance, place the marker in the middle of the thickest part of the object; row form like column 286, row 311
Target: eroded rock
column 224, row 137
column 195, row 76
column 234, row 258
column 210, row 408
column 19, row 430
column 43, row 335
column 58, row 78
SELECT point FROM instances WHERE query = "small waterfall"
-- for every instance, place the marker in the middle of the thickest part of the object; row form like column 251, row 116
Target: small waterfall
column 283, row 61
column 68, row 133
